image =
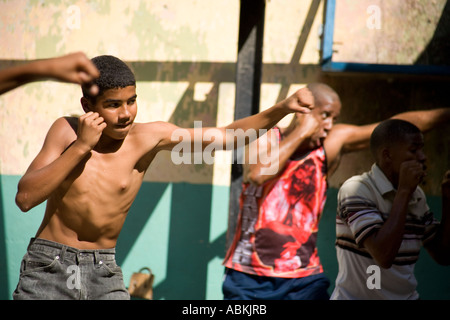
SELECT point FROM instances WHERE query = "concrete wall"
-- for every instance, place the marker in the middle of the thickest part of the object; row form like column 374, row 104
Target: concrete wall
column 184, row 55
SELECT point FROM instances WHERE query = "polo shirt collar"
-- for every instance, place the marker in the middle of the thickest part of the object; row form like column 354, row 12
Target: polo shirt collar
column 382, row 183
column 384, row 186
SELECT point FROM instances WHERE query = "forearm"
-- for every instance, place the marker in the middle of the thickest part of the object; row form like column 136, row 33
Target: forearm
column 264, row 120
column 36, row 186
column 16, row 76
column 425, row 120
column 259, row 173
column 256, row 125
column 384, row 244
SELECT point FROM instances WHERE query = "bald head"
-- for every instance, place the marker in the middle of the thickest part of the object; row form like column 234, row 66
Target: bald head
column 323, row 93
column 327, row 107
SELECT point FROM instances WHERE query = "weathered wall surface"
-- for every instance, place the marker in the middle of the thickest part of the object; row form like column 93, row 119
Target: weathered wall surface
column 184, row 55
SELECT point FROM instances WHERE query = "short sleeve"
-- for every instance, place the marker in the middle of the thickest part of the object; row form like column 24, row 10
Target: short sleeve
column 358, row 210
column 431, row 226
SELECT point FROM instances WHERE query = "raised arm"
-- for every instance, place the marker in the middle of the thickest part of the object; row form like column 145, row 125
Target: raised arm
column 383, row 243
column 426, row 120
column 239, row 132
column 266, row 157
column 57, row 158
column 301, row 101
column 73, row 68
column 345, row 138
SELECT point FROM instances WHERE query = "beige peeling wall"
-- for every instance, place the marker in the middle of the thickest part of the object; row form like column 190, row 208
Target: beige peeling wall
column 198, row 34
column 183, row 53
column 290, row 58
column 384, row 31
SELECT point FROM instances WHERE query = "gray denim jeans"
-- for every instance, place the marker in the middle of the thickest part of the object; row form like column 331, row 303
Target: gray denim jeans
column 51, row 270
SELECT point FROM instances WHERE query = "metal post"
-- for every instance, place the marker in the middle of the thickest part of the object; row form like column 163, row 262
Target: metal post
column 248, row 83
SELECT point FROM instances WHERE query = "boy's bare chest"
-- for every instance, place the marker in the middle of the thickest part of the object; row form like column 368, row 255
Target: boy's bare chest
column 106, row 175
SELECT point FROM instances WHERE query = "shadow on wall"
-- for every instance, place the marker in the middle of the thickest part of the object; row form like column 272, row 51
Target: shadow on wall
column 189, row 250
column 437, row 51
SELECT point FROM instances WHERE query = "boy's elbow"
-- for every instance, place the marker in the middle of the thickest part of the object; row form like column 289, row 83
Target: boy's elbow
column 385, row 264
column 256, row 179
column 22, row 202
column 384, row 260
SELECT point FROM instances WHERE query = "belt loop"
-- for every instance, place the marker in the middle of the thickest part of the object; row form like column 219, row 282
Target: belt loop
column 96, row 257
column 62, row 254
column 30, row 243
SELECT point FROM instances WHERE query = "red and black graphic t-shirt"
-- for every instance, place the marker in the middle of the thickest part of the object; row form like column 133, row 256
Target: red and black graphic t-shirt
column 278, row 221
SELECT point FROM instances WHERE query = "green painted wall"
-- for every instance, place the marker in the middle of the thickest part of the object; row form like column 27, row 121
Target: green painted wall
column 178, row 230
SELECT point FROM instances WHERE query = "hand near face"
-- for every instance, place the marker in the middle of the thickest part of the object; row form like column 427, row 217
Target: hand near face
column 73, row 68
column 90, row 128
column 301, row 101
column 308, row 124
column 411, row 174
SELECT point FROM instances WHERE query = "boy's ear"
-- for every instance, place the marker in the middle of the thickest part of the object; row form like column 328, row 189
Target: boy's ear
column 386, row 154
column 85, row 104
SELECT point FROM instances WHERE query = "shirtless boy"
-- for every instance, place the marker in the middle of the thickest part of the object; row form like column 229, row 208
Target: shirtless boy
column 89, row 171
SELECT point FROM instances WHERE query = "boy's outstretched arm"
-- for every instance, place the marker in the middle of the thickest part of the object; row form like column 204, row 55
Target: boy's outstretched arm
column 73, row 68
column 239, row 132
column 345, row 138
column 301, row 101
column 426, row 120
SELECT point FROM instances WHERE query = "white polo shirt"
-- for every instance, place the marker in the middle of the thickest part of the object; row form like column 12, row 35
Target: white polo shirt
column 364, row 203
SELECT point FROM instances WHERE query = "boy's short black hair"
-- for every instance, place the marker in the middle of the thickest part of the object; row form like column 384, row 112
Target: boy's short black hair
column 114, row 73
column 389, row 133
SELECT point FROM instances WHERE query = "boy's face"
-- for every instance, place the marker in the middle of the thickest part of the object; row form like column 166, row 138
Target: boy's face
column 326, row 112
column 411, row 148
column 118, row 108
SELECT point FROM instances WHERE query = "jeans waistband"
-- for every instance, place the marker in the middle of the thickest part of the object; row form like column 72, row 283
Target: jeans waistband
column 64, row 251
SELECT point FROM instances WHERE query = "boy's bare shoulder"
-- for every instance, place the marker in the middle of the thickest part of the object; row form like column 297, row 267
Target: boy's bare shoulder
column 62, row 133
column 64, row 125
column 71, row 121
column 154, row 127
column 155, row 135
